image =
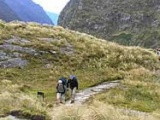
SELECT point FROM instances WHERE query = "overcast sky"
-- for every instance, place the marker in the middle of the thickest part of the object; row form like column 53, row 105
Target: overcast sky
column 52, row 5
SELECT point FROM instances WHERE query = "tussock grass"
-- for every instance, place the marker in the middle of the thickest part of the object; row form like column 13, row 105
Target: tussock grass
column 61, row 52
column 97, row 111
column 16, row 101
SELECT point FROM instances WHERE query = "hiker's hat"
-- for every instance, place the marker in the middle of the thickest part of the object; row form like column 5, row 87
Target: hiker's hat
column 72, row 76
column 59, row 81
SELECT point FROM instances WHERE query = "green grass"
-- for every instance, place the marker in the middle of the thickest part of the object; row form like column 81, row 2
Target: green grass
column 122, row 38
column 140, row 91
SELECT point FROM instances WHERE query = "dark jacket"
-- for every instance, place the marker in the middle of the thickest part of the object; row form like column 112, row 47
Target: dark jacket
column 72, row 83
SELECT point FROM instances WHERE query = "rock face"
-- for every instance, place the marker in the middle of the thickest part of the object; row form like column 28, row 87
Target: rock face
column 12, row 55
column 24, row 10
column 129, row 22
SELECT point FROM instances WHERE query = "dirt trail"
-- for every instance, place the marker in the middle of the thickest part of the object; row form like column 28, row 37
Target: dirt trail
column 83, row 95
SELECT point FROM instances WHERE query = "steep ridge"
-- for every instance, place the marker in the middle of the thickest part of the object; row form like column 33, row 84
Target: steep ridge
column 28, row 11
column 6, row 12
column 23, row 10
column 129, row 22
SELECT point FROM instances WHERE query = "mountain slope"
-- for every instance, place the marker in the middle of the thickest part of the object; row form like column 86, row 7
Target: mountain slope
column 129, row 22
column 6, row 13
column 27, row 11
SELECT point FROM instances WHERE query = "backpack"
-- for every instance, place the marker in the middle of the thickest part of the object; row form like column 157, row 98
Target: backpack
column 60, row 88
column 64, row 80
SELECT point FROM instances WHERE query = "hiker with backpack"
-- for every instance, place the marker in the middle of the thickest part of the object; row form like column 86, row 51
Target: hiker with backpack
column 61, row 90
column 72, row 84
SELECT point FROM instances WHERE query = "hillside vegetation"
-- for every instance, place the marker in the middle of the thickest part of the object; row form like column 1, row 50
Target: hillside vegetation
column 46, row 53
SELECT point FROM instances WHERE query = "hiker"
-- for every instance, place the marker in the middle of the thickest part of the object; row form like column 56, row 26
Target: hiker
column 72, row 84
column 61, row 90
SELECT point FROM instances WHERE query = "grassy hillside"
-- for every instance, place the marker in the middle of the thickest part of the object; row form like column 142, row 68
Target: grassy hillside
column 61, row 52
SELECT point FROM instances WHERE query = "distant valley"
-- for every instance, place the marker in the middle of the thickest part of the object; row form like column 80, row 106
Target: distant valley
column 53, row 17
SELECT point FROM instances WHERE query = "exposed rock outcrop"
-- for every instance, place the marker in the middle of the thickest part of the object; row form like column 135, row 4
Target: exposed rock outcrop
column 12, row 55
column 14, row 62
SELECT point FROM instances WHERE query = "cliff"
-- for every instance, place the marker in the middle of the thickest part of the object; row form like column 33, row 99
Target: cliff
column 129, row 22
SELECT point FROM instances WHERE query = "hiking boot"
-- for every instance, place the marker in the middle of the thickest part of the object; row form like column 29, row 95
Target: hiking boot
column 72, row 101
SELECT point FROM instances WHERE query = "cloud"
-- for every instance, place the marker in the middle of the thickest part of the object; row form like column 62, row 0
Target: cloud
column 55, row 6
